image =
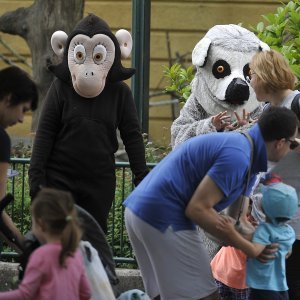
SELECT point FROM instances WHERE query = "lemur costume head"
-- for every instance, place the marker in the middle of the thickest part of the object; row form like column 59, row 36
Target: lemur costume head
column 91, row 56
column 222, row 59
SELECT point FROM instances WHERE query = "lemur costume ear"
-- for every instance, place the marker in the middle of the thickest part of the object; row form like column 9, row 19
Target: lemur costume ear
column 90, row 26
column 263, row 46
column 200, row 52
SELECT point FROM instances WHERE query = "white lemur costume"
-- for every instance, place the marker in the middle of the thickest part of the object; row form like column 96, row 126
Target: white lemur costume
column 221, row 59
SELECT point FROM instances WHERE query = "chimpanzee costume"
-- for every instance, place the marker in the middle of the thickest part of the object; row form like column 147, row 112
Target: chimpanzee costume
column 76, row 137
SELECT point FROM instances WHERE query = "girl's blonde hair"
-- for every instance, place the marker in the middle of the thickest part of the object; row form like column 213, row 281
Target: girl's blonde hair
column 273, row 70
column 55, row 210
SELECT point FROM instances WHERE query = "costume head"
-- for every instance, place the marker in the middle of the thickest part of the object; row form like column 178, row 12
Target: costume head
column 91, row 56
column 279, row 202
column 222, row 60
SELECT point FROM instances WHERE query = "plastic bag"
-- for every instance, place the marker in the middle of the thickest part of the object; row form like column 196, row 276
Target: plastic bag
column 100, row 285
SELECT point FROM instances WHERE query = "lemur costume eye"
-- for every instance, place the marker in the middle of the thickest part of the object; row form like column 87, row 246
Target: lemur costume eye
column 221, row 69
column 247, row 73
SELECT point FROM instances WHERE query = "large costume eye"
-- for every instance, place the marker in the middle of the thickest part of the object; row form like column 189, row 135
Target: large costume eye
column 99, row 54
column 79, row 54
column 247, row 73
column 221, row 69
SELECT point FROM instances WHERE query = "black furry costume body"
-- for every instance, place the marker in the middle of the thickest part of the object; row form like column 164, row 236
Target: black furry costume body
column 76, row 137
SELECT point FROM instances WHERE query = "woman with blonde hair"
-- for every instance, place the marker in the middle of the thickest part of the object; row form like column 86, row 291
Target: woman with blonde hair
column 272, row 79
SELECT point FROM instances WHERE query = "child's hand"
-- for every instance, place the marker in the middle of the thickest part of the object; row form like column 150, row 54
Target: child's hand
column 268, row 253
column 288, row 254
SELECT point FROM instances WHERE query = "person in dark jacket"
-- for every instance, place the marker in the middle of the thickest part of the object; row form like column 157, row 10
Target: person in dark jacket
column 76, row 137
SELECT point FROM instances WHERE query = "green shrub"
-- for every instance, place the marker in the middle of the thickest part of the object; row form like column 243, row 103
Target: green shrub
column 282, row 33
column 180, row 79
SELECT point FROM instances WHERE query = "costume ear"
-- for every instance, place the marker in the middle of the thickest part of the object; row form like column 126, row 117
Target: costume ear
column 263, row 46
column 58, row 42
column 125, row 41
column 200, row 52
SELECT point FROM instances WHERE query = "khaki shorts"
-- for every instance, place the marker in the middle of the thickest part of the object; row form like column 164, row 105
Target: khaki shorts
column 174, row 264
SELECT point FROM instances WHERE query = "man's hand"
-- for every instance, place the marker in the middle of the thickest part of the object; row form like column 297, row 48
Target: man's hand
column 226, row 224
column 268, row 253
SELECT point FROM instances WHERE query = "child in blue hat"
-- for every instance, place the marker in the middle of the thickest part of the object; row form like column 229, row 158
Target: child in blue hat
column 267, row 280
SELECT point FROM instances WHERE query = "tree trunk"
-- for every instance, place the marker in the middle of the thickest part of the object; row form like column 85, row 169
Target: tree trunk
column 36, row 25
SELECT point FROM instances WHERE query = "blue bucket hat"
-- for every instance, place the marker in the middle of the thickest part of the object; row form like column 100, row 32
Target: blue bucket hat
column 279, row 201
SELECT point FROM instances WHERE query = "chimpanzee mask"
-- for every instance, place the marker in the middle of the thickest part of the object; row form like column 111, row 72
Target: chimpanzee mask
column 93, row 56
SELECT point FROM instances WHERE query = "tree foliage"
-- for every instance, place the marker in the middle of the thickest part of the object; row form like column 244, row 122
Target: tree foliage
column 180, row 79
column 281, row 32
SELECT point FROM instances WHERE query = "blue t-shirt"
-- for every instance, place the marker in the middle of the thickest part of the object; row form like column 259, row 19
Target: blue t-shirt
column 270, row 275
column 161, row 198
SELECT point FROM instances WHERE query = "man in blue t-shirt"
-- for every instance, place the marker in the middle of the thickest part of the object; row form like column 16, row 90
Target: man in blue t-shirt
column 190, row 186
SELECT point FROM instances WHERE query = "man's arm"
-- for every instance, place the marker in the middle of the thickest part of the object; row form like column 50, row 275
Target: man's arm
column 200, row 208
column 251, row 249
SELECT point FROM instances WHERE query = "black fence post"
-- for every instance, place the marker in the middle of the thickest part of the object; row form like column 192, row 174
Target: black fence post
column 141, row 11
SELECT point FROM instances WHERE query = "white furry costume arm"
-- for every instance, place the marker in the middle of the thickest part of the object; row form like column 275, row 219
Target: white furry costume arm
column 193, row 120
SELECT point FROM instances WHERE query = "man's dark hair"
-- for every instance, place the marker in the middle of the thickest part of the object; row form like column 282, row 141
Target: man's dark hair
column 277, row 122
column 17, row 83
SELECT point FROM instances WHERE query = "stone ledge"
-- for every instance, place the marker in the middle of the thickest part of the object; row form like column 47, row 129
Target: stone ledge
column 129, row 279
column 8, row 271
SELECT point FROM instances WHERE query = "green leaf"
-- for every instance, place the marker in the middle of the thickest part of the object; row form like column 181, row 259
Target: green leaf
column 260, row 27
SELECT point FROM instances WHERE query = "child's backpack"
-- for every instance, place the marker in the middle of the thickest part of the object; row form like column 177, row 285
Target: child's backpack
column 100, row 285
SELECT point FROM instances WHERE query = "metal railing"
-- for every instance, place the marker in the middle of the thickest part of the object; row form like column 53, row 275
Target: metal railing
column 19, row 210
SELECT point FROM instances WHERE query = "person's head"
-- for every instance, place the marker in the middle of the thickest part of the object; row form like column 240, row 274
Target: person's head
column 279, row 202
column 18, row 94
column 279, row 127
column 270, row 73
column 54, row 217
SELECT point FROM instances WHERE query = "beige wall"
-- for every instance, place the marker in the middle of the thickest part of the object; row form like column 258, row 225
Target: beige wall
column 184, row 22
